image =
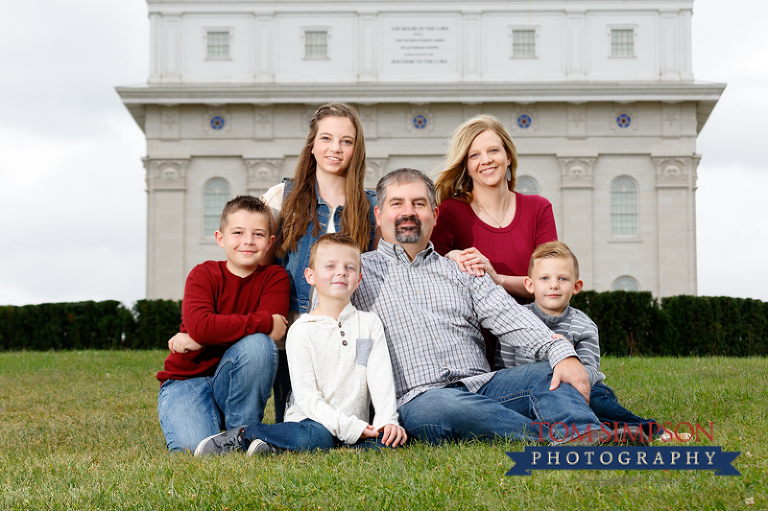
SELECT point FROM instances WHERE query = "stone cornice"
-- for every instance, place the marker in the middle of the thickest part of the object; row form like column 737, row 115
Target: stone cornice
column 526, row 92
column 460, row 5
column 705, row 94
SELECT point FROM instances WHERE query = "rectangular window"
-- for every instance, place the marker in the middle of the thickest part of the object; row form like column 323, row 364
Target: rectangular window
column 523, row 44
column 624, row 207
column 316, row 44
column 216, row 196
column 622, row 42
column 218, row 45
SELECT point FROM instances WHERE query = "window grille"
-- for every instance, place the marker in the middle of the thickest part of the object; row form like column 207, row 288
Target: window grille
column 526, row 185
column 523, row 43
column 216, row 196
column 316, row 44
column 622, row 42
column 625, row 284
column 624, row 207
column 218, row 45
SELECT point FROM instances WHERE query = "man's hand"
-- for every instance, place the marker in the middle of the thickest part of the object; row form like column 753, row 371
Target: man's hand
column 182, row 343
column 571, row 371
column 278, row 327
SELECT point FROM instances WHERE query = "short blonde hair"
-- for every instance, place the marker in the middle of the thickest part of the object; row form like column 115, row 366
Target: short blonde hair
column 454, row 182
column 332, row 238
column 550, row 250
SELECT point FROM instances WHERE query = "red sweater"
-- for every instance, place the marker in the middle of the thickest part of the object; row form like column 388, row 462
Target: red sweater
column 509, row 248
column 220, row 308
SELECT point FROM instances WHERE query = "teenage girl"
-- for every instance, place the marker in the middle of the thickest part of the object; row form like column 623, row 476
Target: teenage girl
column 325, row 195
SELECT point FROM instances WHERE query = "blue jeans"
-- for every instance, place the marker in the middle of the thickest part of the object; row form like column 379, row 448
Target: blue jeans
column 513, row 404
column 194, row 409
column 306, row 435
column 606, row 406
column 282, row 386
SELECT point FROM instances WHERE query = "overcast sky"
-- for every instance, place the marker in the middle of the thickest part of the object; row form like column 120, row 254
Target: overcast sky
column 72, row 191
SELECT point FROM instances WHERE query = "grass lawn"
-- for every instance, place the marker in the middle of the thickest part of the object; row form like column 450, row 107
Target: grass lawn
column 80, row 431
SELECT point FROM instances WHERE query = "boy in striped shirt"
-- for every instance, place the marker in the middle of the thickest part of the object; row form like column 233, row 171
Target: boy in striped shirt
column 553, row 277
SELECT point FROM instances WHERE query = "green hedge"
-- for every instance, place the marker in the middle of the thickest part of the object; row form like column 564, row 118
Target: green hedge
column 629, row 324
column 156, row 322
column 636, row 324
column 717, row 325
column 89, row 325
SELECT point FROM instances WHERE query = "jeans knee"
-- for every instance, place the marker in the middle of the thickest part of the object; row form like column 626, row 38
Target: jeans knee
column 431, row 433
column 433, row 417
column 435, row 414
column 257, row 351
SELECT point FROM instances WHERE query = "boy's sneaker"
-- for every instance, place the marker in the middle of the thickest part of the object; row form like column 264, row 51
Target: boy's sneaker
column 222, row 443
column 260, row 448
column 671, row 437
column 631, row 435
column 622, row 435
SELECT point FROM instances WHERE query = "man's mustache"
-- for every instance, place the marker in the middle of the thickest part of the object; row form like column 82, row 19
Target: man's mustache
column 413, row 218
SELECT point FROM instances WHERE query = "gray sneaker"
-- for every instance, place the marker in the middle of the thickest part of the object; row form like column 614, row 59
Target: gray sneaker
column 222, row 443
column 260, row 448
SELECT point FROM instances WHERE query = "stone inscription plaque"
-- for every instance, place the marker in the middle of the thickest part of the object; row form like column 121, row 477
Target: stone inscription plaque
column 413, row 44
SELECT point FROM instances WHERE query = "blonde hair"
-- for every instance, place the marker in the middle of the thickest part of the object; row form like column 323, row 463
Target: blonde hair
column 454, row 181
column 332, row 238
column 355, row 220
column 553, row 249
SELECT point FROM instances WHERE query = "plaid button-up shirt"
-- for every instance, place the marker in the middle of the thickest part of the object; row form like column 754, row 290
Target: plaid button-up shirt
column 432, row 313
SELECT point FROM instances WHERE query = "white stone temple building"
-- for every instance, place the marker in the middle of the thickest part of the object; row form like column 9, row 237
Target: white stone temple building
column 599, row 96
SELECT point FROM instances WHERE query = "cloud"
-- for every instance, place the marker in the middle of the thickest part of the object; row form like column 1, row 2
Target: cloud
column 731, row 232
column 73, row 218
column 45, row 274
column 72, row 197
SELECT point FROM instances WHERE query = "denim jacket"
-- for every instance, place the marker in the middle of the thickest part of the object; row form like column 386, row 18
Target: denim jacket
column 297, row 261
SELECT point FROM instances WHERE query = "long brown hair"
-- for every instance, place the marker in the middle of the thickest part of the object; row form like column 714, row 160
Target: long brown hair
column 355, row 220
column 454, row 181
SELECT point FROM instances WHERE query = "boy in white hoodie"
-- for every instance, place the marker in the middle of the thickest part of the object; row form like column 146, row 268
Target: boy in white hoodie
column 339, row 363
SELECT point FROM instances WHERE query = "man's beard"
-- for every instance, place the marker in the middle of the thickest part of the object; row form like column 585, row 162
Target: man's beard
column 412, row 235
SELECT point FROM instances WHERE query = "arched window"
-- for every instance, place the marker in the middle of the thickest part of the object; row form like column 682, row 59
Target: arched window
column 624, row 210
column 527, row 185
column 216, row 195
column 625, row 283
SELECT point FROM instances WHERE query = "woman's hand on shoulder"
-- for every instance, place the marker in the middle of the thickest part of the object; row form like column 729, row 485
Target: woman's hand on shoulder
column 467, row 263
column 471, row 260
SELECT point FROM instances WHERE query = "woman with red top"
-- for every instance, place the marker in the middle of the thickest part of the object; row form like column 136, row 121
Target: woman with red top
column 484, row 225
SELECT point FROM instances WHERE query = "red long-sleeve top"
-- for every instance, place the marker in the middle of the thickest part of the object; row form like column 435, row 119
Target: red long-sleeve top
column 508, row 248
column 220, row 308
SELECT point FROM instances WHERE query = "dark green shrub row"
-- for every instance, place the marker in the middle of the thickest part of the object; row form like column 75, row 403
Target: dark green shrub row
column 156, row 322
column 629, row 324
column 89, row 325
column 636, row 324
column 718, row 325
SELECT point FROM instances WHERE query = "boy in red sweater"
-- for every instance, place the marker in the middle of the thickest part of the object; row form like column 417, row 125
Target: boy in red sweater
column 220, row 371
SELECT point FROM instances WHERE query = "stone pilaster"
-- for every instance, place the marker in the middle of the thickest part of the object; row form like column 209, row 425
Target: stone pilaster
column 577, row 227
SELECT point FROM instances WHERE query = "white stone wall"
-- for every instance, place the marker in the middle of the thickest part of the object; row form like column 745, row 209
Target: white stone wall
column 244, row 118
column 419, row 41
